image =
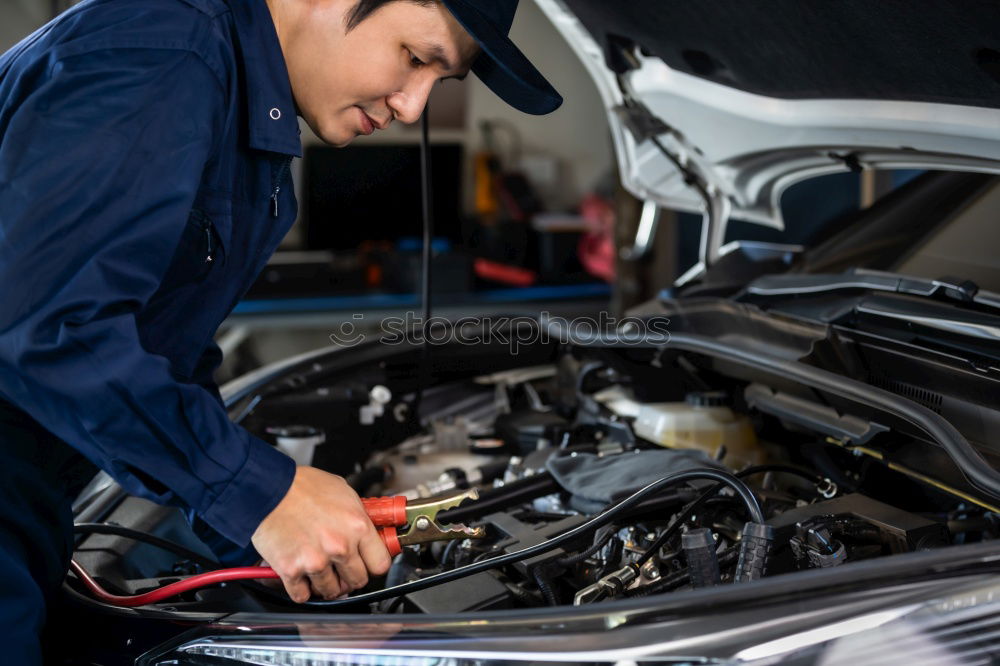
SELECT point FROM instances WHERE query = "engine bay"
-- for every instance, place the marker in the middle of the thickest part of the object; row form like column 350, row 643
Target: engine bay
column 548, row 447
column 560, row 450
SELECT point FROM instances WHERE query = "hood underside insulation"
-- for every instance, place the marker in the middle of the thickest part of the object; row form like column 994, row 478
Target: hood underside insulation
column 903, row 50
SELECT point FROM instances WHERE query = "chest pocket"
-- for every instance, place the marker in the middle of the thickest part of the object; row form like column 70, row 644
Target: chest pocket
column 203, row 245
column 180, row 318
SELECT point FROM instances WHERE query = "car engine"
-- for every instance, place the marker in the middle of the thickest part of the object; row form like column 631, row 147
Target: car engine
column 557, row 454
column 547, row 447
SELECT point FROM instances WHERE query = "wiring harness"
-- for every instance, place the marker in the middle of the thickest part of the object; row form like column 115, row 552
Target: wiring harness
column 723, row 479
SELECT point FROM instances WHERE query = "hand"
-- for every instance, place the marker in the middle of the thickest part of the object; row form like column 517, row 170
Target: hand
column 319, row 538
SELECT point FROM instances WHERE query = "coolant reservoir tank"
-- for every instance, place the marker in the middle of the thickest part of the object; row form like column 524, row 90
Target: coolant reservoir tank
column 298, row 442
column 704, row 421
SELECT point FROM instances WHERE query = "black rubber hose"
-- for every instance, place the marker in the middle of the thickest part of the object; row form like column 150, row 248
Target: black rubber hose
column 493, row 470
column 145, row 537
column 539, row 485
column 616, row 548
column 676, row 525
column 545, row 587
column 177, row 549
column 520, row 593
column 601, row 537
column 498, row 499
column 448, row 551
column 661, row 504
column 606, row 517
column 709, row 494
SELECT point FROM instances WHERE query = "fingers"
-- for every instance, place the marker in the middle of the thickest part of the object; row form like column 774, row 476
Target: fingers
column 296, row 587
column 315, row 576
column 357, row 551
column 351, row 569
column 326, row 583
column 374, row 554
column 331, row 573
column 320, row 539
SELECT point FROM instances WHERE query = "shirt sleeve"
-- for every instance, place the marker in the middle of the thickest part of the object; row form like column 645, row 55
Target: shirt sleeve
column 100, row 162
column 228, row 553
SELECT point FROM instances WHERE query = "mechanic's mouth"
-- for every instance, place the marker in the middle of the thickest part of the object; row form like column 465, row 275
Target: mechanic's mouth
column 369, row 124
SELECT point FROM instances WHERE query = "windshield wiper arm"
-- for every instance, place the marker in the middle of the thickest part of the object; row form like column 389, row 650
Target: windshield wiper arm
column 953, row 289
column 932, row 316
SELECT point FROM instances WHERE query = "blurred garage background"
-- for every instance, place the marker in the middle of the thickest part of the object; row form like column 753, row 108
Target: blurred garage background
column 528, row 215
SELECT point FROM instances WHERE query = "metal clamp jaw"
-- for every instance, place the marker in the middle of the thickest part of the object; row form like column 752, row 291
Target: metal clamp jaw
column 390, row 514
column 424, row 527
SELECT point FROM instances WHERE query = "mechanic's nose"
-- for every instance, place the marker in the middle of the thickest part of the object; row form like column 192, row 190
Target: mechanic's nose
column 407, row 105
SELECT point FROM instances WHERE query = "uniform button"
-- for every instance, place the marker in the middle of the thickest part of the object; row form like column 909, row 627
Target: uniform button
column 275, row 114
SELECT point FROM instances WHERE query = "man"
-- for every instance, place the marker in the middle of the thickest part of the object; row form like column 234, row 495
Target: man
column 144, row 151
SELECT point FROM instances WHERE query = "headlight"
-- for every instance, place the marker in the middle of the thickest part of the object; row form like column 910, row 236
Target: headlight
column 960, row 628
column 206, row 653
column 912, row 626
column 292, row 656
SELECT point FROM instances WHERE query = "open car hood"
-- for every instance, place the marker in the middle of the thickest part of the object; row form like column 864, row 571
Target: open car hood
column 718, row 106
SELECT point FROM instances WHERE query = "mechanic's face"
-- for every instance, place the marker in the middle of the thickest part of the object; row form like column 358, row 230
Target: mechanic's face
column 351, row 83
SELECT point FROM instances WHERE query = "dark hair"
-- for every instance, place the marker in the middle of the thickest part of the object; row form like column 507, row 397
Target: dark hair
column 366, row 8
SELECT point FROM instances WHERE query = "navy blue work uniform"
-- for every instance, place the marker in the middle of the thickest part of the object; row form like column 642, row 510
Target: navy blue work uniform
column 144, row 182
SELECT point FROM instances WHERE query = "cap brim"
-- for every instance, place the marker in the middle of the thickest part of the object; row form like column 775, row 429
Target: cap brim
column 502, row 66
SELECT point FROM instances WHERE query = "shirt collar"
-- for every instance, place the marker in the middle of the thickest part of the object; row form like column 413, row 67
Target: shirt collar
column 274, row 124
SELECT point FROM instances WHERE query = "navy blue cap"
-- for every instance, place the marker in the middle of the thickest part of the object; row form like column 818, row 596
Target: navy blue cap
column 501, row 65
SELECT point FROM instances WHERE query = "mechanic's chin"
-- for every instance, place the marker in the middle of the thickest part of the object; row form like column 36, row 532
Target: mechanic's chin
column 344, row 143
column 335, row 133
column 339, row 139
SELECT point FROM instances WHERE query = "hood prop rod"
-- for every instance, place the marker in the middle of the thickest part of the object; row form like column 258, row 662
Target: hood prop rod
column 714, row 219
column 644, row 125
column 427, row 213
